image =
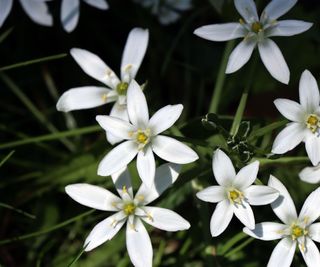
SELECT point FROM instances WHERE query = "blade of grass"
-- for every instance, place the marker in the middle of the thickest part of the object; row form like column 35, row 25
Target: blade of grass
column 238, row 248
column 6, row 158
column 5, row 34
column 284, row 160
column 77, row 257
column 269, row 128
column 30, row 216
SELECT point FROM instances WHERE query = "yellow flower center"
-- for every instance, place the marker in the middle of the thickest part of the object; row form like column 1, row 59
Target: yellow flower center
column 313, row 122
column 142, row 138
column 297, row 231
column 235, row 196
column 122, row 88
column 256, row 27
column 129, row 209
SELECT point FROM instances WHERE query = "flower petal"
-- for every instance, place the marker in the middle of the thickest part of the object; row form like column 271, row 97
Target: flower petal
column 277, row 8
column 266, row 231
column 309, row 92
column 69, row 16
column 273, row 60
column 164, row 118
column 289, row 28
column 220, row 32
column 246, row 176
column 283, row 253
column 117, row 158
column 103, row 231
column 92, row 196
column 38, row 11
column 139, row 245
column 313, row 149
column 310, row 253
column 260, row 195
column 290, row 109
column 245, row 214
column 212, row 194
column 122, row 182
column 310, row 210
column 134, row 52
column 247, row 9
column 5, row 8
column 100, row 4
column 146, row 166
column 314, row 231
column 223, row 169
column 240, row 55
column 221, row 217
column 310, row 175
column 165, row 219
column 171, row 150
column 283, row 206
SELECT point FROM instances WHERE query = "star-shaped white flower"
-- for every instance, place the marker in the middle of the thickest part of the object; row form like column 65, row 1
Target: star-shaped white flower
column 70, row 12
column 142, row 137
column 235, row 193
column 93, row 96
column 305, row 117
column 310, row 174
column 37, row 10
column 295, row 230
column 256, row 32
column 131, row 210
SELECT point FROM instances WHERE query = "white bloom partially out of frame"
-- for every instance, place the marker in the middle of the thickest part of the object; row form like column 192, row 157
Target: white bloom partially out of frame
column 132, row 210
column 294, row 230
column 310, row 174
column 235, row 193
column 255, row 32
column 142, row 137
column 305, row 120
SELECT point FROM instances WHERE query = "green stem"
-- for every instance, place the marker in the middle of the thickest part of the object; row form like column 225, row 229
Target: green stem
column 240, row 247
column 6, row 158
column 269, row 128
column 30, row 216
column 284, row 160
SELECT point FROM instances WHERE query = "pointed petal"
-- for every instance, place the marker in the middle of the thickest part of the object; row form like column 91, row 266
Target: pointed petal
column 103, row 231
column 134, row 52
column 245, row 214
column 221, row 218
column 309, row 92
column 310, row 253
column 247, row 9
column 277, row 8
column 223, row 169
column 164, row 118
column 310, row 175
column 246, row 176
column 5, row 8
column 212, row 194
column 289, row 28
column 220, row 32
column 291, row 136
column 273, row 60
column 283, row 253
column 313, row 149
column 290, row 109
column 117, row 158
column 38, row 11
column 146, row 166
column 92, row 196
column 283, row 206
column 240, row 55
column 311, row 209
column 267, row 231
column 100, row 4
column 122, row 182
column 70, row 11
column 314, row 231
column 171, row 150
column 260, row 195
column 139, row 245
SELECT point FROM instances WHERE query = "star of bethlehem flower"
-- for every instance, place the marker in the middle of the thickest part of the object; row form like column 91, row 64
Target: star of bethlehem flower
column 70, row 12
column 310, row 174
column 37, row 10
column 294, row 230
column 235, row 193
column 142, row 137
column 305, row 120
column 132, row 210
column 116, row 91
column 255, row 32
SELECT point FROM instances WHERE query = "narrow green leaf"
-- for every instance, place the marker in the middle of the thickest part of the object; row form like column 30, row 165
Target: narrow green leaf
column 4, row 205
column 77, row 257
column 6, row 158
column 5, row 34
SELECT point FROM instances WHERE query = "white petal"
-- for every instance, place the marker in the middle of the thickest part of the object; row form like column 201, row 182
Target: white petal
column 266, row 231
column 38, row 11
column 137, row 105
column 314, row 231
column 310, row 175
column 220, row 32
column 134, row 52
column 313, row 149
column 146, row 166
column 172, row 150
column 212, row 194
column 165, row 176
column 139, row 245
column 309, row 92
column 92, row 196
column 5, row 8
column 245, row 214
column 122, row 182
column 283, row 253
column 92, row 65
column 240, row 55
column 291, row 136
column 310, row 210
column 289, row 28
column 223, row 169
column 290, row 109
column 221, row 217
column 273, row 60
column 276, row 8
column 103, row 231
column 247, row 9
column 246, row 176
column 100, row 4
column 70, row 11
column 165, row 219
column 115, row 126
column 117, row 158
column 310, row 253
column 283, row 206
column 260, row 195
column 164, row 118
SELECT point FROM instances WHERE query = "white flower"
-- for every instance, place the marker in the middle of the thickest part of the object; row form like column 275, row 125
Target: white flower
column 310, row 175
column 142, row 137
column 70, row 11
column 37, row 10
column 235, row 193
column 92, row 96
column 295, row 230
column 131, row 210
column 305, row 117
column 256, row 32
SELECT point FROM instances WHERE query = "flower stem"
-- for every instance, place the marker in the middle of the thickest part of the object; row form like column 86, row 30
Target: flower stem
column 284, row 160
